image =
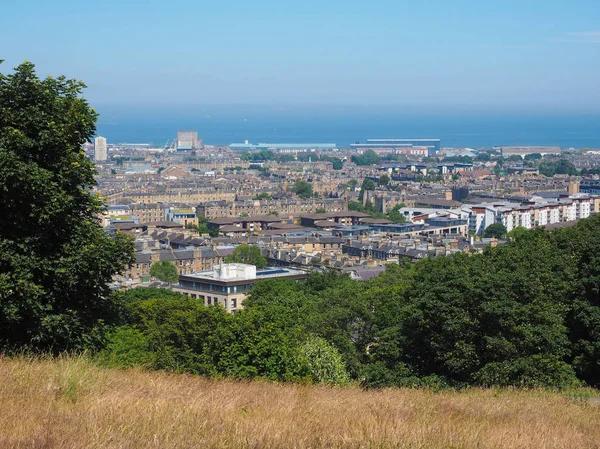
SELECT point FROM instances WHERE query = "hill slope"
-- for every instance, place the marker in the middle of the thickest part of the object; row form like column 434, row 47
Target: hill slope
column 71, row 403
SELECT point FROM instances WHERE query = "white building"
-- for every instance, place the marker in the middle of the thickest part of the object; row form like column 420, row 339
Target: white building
column 535, row 212
column 100, row 153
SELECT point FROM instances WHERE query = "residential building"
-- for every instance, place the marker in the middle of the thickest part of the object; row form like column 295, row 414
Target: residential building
column 100, row 153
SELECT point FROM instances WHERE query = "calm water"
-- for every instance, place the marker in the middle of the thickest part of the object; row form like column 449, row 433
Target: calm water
column 219, row 125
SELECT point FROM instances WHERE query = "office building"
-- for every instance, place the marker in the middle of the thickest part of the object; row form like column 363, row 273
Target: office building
column 100, row 153
column 228, row 284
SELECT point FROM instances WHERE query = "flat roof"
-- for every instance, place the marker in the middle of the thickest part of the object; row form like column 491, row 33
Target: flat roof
column 265, row 273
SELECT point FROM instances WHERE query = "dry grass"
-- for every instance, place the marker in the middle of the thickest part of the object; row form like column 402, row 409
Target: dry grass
column 71, row 403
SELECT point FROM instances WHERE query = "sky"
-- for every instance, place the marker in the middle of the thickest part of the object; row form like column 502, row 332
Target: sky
column 526, row 55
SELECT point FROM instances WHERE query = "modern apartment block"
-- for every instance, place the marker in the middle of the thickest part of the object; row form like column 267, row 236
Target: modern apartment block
column 100, row 153
column 228, row 284
column 529, row 214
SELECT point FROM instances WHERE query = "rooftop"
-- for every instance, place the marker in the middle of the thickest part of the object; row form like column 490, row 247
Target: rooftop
column 234, row 272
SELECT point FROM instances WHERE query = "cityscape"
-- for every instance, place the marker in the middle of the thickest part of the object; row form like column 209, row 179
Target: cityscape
column 315, row 206
column 304, row 225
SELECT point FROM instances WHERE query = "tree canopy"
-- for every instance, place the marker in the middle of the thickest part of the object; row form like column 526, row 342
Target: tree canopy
column 164, row 270
column 369, row 157
column 249, row 254
column 496, row 230
column 302, row 188
column 55, row 259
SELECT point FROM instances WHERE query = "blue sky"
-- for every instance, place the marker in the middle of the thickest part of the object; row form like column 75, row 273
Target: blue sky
column 516, row 55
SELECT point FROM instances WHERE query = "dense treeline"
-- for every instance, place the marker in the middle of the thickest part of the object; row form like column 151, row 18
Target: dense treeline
column 525, row 314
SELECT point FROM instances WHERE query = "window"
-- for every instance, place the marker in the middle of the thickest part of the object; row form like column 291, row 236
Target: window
column 233, row 303
column 208, row 300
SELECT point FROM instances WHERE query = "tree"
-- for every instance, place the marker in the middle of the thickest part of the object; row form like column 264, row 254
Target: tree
column 369, row 157
column 368, row 184
column 323, row 362
column 249, row 254
column 337, row 162
column 303, row 189
column 496, row 230
column 56, row 261
column 164, row 270
column 384, row 180
column 263, row 196
column 320, row 210
column 483, row 157
column 533, row 156
column 395, row 215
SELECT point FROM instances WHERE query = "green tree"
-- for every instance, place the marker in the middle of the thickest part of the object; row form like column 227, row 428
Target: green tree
column 395, row 215
column 533, row 156
column 337, row 162
column 323, row 362
column 248, row 254
column 496, row 230
column 368, row 184
column 164, row 270
column 369, row 157
column 302, row 188
column 384, row 180
column 55, row 259
column 263, row 196
column 320, row 210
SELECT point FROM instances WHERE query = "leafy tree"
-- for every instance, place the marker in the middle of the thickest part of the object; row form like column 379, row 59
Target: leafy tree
column 395, row 215
column 496, row 230
column 369, row 157
column 323, row 362
column 483, row 157
column 533, row 156
column 164, row 270
column 514, row 158
column 263, row 196
column 368, row 184
column 384, row 180
column 303, row 189
column 320, row 210
column 55, row 260
column 248, row 254
column 337, row 162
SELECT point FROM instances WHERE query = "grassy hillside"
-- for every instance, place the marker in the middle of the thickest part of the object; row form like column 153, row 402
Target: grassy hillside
column 71, row 403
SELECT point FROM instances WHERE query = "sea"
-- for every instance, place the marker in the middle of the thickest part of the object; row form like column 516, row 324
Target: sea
column 220, row 125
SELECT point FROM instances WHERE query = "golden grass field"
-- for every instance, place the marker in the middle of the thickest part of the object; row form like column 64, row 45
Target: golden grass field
column 72, row 403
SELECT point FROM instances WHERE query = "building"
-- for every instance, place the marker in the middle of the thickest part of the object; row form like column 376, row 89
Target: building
column 184, row 216
column 524, row 151
column 433, row 145
column 590, row 186
column 188, row 140
column 100, row 153
column 529, row 214
column 282, row 146
column 228, row 284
